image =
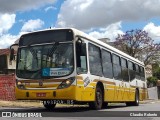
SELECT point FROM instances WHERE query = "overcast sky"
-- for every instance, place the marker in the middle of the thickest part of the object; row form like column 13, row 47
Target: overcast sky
column 99, row 18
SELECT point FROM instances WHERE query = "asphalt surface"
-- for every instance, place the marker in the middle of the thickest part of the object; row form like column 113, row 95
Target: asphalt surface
column 147, row 111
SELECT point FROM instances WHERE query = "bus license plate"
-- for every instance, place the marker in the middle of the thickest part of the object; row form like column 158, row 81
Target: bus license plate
column 41, row 94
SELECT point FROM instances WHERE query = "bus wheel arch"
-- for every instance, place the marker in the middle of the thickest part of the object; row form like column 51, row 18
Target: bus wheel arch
column 100, row 84
column 99, row 97
column 104, row 104
column 136, row 99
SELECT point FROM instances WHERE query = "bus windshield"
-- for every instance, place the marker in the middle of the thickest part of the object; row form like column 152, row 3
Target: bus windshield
column 52, row 60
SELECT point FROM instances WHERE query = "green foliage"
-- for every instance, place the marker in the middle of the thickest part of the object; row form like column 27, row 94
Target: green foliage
column 151, row 81
column 156, row 70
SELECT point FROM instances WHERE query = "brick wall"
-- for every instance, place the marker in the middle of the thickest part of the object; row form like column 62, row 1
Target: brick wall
column 7, row 87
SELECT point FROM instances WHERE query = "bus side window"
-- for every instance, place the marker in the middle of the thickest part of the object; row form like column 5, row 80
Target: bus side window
column 94, row 60
column 116, row 67
column 142, row 73
column 125, row 75
column 137, row 72
column 107, row 64
column 131, row 68
column 81, row 56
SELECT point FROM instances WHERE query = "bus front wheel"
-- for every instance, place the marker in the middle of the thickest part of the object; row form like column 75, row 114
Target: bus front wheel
column 49, row 104
column 97, row 104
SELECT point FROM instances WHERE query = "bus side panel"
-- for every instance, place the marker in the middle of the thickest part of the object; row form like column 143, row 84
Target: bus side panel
column 126, row 94
column 109, row 93
column 132, row 93
column 108, row 85
column 85, row 93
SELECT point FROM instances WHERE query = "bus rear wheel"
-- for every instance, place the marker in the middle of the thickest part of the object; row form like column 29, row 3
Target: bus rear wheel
column 136, row 101
column 97, row 104
column 49, row 104
column 104, row 105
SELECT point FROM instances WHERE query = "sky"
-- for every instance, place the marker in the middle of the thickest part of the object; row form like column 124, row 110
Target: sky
column 98, row 18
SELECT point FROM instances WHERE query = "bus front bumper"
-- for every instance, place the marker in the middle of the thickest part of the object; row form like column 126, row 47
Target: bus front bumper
column 46, row 94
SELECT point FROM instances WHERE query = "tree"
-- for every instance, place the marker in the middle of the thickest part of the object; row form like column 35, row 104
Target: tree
column 151, row 81
column 156, row 70
column 138, row 44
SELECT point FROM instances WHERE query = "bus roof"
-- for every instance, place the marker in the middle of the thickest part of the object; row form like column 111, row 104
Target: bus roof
column 82, row 34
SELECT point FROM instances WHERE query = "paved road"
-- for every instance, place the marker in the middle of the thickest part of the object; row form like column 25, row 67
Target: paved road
column 118, row 111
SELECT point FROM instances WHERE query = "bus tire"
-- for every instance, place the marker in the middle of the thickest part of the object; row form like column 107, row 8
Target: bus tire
column 49, row 105
column 97, row 104
column 136, row 101
column 104, row 105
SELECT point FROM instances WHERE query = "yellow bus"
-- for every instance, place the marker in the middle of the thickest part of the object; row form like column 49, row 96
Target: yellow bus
column 69, row 66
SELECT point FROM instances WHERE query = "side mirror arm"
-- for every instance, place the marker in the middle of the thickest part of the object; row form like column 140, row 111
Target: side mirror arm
column 12, row 51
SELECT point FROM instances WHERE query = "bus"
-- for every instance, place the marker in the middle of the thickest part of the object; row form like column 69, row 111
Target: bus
column 68, row 66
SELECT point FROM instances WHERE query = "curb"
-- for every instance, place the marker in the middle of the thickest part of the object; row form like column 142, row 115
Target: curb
column 149, row 101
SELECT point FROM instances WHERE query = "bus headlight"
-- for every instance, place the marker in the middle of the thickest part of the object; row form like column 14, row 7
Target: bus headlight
column 20, row 85
column 66, row 83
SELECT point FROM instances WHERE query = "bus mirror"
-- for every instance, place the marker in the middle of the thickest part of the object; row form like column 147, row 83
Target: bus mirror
column 11, row 54
column 13, row 50
column 80, row 47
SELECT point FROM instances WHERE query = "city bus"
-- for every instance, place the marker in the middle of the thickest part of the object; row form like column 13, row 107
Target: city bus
column 68, row 66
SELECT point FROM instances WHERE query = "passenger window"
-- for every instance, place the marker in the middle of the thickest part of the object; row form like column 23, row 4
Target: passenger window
column 137, row 72
column 142, row 74
column 116, row 67
column 107, row 64
column 125, row 75
column 95, row 60
column 131, row 68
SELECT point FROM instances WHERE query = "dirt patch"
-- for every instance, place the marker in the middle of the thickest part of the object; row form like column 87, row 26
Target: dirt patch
column 20, row 103
column 29, row 103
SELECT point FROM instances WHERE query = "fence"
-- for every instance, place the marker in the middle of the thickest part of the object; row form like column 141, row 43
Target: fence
column 7, row 87
column 153, row 93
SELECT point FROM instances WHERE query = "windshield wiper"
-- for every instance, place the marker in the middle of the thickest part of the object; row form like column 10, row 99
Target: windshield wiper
column 33, row 52
column 54, row 47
